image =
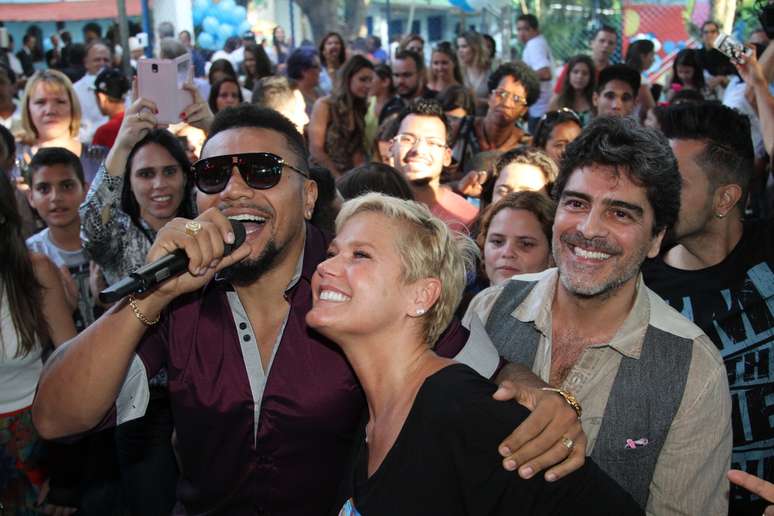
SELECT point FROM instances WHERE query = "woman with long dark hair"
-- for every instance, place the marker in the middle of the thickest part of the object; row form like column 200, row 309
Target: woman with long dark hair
column 382, row 91
column 33, row 314
column 143, row 184
column 640, row 56
column 333, row 53
column 687, row 74
column 577, row 88
column 337, row 125
column 256, row 65
column 279, row 50
column 225, row 93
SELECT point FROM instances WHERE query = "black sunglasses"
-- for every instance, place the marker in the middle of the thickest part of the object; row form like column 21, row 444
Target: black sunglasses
column 260, row 170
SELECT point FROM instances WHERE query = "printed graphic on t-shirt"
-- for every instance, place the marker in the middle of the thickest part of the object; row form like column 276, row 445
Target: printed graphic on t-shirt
column 349, row 509
column 740, row 321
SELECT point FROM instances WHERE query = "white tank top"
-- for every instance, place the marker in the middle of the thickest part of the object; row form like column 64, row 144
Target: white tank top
column 18, row 375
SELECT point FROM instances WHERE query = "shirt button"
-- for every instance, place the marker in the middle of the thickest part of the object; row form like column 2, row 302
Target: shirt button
column 246, row 338
column 242, row 326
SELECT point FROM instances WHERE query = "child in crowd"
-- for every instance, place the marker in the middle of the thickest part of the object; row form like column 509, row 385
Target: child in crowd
column 57, row 188
column 687, row 74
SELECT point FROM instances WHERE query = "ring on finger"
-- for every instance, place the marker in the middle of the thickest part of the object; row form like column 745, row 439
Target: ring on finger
column 568, row 443
column 141, row 116
column 192, row 227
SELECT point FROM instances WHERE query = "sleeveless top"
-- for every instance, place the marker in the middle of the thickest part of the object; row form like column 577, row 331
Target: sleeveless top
column 18, row 374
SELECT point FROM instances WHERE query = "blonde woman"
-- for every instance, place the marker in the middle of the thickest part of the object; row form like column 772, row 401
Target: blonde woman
column 51, row 117
column 389, row 288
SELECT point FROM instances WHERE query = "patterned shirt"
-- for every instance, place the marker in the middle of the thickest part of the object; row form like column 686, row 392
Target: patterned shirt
column 109, row 236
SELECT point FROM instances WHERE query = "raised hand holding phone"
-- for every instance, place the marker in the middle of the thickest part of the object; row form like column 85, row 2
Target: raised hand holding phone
column 163, row 82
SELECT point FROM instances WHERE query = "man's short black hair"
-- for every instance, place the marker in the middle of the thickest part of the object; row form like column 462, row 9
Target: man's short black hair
column 520, row 72
column 619, row 72
column 642, row 154
column 604, row 28
column 426, row 107
column 728, row 155
column 27, row 37
column 531, row 20
column 50, row 156
column 94, row 27
column 252, row 116
column 410, row 54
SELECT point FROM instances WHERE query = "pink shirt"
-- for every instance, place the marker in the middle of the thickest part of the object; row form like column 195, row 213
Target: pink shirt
column 454, row 210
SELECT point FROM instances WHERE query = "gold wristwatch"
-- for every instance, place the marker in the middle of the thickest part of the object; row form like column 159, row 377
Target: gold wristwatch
column 568, row 397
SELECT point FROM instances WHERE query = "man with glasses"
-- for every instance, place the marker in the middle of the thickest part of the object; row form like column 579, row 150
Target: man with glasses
column 420, row 152
column 265, row 410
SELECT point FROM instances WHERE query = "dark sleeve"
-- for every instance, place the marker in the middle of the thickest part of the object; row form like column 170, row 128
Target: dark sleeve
column 488, row 489
column 452, row 340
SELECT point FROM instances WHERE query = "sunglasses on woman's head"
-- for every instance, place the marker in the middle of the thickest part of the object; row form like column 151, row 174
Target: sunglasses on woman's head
column 260, row 170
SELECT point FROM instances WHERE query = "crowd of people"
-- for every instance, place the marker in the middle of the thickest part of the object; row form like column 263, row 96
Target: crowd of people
column 469, row 284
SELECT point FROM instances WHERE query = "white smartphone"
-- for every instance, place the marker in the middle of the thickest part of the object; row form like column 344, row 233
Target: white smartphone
column 732, row 48
column 161, row 80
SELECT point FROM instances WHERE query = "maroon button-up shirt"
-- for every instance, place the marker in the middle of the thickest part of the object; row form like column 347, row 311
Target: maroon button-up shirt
column 309, row 412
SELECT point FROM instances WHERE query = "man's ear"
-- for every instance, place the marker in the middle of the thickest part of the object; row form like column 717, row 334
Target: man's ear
column 447, row 156
column 595, row 98
column 310, row 198
column 725, row 199
column 655, row 244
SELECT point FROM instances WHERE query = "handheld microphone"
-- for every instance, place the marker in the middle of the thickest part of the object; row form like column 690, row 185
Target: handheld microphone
column 150, row 275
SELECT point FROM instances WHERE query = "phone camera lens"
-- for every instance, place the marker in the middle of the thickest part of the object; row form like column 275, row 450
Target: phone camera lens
column 155, row 68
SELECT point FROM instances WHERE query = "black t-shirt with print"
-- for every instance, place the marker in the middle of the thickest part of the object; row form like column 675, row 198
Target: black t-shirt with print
column 733, row 302
column 445, row 462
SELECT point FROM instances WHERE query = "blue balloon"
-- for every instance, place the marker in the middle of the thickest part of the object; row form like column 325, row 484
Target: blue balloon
column 210, row 24
column 227, row 5
column 225, row 31
column 462, row 4
column 238, row 15
column 206, row 40
column 244, row 27
column 669, row 46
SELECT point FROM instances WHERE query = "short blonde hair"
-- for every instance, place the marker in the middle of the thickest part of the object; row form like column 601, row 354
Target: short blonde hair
column 58, row 79
column 427, row 249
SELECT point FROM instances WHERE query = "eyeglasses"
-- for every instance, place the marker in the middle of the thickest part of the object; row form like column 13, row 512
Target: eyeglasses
column 504, row 95
column 260, row 170
column 409, row 140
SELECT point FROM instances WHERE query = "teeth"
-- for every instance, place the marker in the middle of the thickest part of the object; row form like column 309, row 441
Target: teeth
column 329, row 295
column 162, row 198
column 591, row 254
column 248, row 218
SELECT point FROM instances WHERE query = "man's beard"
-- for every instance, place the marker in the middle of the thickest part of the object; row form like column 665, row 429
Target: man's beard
column 249, row 271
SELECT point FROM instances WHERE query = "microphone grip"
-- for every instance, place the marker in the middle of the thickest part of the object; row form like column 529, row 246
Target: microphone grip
column 151, row 274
